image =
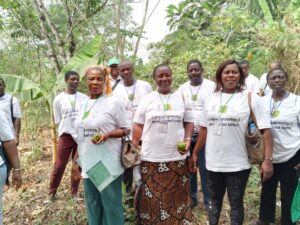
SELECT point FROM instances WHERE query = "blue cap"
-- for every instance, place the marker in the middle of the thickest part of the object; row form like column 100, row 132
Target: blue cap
column 113, row 61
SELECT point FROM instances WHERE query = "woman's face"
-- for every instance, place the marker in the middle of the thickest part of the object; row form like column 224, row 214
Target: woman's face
column 95, row 80
column 230, row 78
column 277, row 80
column 163, row 79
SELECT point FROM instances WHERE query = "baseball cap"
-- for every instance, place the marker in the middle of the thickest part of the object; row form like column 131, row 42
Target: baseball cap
column 113, row 61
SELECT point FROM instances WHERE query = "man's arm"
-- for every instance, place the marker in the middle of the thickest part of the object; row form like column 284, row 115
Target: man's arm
column 17, row 126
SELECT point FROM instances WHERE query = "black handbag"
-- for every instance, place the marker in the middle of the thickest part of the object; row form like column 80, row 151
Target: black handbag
column 130, row 155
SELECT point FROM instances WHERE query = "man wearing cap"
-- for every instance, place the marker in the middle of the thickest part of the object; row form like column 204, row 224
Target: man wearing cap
column 114, row 77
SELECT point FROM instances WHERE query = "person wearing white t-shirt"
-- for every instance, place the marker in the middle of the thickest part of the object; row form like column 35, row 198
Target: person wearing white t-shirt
column 9, row 147
column 65, row 109
column 223, row 125
column 284, row 111
column 102, row 114
column 194, row 89
column 264, row 88
column 12, row 110
column 163, row 119
column 135, row 90
column 251, row 81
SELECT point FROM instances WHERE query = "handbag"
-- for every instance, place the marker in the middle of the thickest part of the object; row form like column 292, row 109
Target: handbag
column 254, row 141
column 131, row 156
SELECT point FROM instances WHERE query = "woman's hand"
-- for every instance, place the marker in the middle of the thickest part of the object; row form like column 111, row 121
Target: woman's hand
column 266, row 170
column 16, row 178
column 103, row 138
column 76, row 171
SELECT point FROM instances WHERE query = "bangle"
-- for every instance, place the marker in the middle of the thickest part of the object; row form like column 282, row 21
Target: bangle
column 187, row 138
column 16, row 169
column 269, row 158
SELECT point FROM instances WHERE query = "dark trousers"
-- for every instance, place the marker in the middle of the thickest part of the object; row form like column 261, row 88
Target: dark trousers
column 66, row 147
column 286, row 175
column 128, row 179
column 235, row 184
column 203, row 174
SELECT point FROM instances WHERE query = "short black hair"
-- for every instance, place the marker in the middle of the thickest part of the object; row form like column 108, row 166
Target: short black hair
column 244, row 61
column 158, row 66
column 69, row 73
column 280, row 69
column 194, row 61
column 1, row 79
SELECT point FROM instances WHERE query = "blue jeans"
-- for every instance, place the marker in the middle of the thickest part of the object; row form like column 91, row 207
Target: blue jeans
column 3, row 175
column 203, row 174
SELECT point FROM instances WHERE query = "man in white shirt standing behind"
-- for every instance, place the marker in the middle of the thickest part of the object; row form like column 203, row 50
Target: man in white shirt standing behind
column 251, row 81
column 12, row 111
column 196, row 89
column 114, row 77
column 65, row 109
column 131, row 94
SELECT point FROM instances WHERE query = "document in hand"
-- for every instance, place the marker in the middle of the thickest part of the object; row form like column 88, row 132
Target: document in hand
column 100, row 165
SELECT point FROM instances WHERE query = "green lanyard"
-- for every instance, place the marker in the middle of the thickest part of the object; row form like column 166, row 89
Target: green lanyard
column 166, row 106
column 194, row 96
column 86, row 113
column 73, row 104
column 224, row 108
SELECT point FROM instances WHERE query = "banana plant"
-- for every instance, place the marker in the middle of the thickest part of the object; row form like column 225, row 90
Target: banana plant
column 28, row 90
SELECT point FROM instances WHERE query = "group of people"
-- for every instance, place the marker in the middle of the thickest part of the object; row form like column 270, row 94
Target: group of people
column 209, row 117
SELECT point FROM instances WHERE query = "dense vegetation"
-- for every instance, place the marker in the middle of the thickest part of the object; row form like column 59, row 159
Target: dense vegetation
column 42, row 39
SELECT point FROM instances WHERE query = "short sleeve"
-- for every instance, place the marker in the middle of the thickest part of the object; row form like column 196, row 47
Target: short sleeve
column 139, row 116
column 5, row 131
column 188, row 112
column 121, row 115
column 149, row 88
column 260, row 112
column 16, row 108
column 263, row 82
column 203, row 113
column 56, row 111
column 298, row 108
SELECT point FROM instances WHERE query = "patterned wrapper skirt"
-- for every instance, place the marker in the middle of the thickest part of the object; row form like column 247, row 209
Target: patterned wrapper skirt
column 164, row 195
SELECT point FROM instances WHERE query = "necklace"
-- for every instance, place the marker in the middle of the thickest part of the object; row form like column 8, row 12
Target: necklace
column 274, row 112
column 72, row 103
column 224, row 108
column 86, row 113
column 131, row 96
column 166, row 106
column 194, row 96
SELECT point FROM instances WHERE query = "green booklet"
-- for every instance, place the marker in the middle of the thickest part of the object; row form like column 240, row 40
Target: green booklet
column 100, row 165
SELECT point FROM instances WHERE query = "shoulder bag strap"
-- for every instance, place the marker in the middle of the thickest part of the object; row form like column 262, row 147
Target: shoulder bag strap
column 11, row 109
column 251, row 112
column 115, row 85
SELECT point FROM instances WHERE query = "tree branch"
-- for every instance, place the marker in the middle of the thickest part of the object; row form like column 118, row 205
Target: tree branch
column 49, row 44
column 54, row 30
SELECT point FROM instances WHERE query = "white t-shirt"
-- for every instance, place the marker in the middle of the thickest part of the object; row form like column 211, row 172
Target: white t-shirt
column 194, row 95
column 285, row 127
column 134, row 95
column 225, row 148
column 263, row 84
column 5, row 101
column 163, row 129
column 105, row 114
column 65, row 110
column 5, row 132
column 252, row 83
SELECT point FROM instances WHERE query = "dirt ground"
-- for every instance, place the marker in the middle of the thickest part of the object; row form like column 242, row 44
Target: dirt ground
column 30, row 206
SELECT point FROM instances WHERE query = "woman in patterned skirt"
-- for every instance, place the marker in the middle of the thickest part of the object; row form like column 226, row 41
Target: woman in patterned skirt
column 163, row 119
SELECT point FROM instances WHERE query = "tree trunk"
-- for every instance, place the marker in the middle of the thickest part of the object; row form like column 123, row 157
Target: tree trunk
column 54, row 30
column 141, row 30
column 52, row 53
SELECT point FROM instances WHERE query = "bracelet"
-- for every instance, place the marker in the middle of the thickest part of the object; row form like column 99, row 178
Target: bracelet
column 269, row 158
column 187, row 138
column 16, row 169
